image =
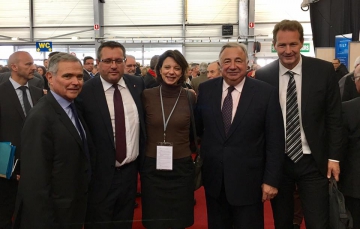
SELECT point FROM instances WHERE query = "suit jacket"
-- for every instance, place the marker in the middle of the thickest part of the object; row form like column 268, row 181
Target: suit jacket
column 37, row 81
column 92, row 104
column 252, row 152
column 350, row 166
column 87, row 75
column 349, row 91
column 198, row 80
column 320, row 107
column 54, row 181
column 12, row 116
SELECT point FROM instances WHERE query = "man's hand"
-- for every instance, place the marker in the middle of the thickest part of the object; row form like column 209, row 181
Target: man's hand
column 268, row 192
column 333, row 169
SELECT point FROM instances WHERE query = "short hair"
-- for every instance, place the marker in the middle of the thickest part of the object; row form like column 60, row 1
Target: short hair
column 61, row 57
column 203, row 67
column 234, row 45
column 290, row 25
column 52, row 54
column 130, row 56
column 178, row 58
column 112, row 45
column 43, row 68
column 193, row 65
column 87, row 58
column 218, row 66
column 154, row 60
column 44, row 60
column 357, row 62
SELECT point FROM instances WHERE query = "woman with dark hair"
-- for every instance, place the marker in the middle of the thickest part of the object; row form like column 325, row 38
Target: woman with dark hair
column 42, row 71
column 167, row 174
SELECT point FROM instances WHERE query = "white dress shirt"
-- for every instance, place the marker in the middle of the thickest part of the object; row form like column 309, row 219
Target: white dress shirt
column 235, row 94
column 132, row 123
column 283, row 84
column 19, row 93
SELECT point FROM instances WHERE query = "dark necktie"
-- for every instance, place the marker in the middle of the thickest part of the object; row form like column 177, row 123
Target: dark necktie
column 82, row 134
column 293, row 134
column 120, row 136
column 227, row 109
column 26, row 102
column 91, row 75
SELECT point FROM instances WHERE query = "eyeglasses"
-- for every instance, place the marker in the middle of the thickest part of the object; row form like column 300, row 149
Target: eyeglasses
column 355, row 78
column 131, row 65
column 110, row 61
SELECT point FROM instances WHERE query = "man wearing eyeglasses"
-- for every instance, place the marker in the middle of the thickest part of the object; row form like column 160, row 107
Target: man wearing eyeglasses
column 130, row 65
column 350, row 183
column 111, row 106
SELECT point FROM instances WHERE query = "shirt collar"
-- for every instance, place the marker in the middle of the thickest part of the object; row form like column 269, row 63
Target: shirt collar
column 16, row 85
column 297, row 69
column 107, row 85
column 63, row 102
column 238, row 87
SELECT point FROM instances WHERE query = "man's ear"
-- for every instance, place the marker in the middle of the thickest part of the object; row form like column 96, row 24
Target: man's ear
column 49, row 77
column 13, row 67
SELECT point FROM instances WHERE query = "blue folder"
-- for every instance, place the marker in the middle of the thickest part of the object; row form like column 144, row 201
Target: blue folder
column 7, row 156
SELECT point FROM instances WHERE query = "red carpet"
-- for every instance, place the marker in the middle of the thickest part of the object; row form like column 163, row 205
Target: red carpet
column 200, row 213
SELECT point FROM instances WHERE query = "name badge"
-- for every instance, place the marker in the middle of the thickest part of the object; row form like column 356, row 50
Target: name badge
column 164, row 156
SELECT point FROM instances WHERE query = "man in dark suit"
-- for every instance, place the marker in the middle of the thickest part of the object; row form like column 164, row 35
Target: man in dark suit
column 35, row 81
column 56, row 165
column 350, row 182
column 88, row 68
column 311, row 106
column 14, row 106
column 111, row 106
column 347, row 87
column 242, row 142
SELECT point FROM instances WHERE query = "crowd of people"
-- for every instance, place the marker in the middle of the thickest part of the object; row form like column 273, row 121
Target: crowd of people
column 83, row 132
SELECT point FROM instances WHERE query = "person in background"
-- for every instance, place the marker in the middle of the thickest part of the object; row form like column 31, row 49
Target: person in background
column 95, row 70
column 46, row 62
column 347, row 87
column 150, row 77
column 17, row 97
column 88, row 68
column 130, row 65
column 195, row 82
column 340, row 69
column 350, row 182
column 194, row 71
column 42, row 72
column 213, row 70
column 168, row 185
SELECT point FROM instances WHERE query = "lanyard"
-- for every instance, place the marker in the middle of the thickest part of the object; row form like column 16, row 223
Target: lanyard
column 162, row 109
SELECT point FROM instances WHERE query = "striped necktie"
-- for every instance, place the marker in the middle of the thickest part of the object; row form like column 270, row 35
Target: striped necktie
column 293, row 134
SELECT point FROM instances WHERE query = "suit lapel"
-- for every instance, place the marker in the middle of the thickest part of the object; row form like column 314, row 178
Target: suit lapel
column 14, row 97
column 64, row 118
column 274, row 71
column 99, row 97
column 245, row 100
column 306, row 83
column 35, row 94
column 216, row 107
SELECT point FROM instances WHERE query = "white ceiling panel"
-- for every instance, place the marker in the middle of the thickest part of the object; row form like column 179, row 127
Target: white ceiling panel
column 278, row 10
column 14, row 13
column 266, row 29
column 140, row 12
column 210, row 31
column 52, row 34
column 212, row 11
column 63, row 13
column 144, row 32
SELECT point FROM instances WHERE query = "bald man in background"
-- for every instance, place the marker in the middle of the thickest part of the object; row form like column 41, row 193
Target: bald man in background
column 17, row 97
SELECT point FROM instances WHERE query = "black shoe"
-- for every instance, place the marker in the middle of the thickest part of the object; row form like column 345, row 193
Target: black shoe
column 296, row 226
column 136, row 205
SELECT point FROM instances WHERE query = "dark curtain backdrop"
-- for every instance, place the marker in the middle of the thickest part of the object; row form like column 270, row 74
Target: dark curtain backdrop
column 334, row 17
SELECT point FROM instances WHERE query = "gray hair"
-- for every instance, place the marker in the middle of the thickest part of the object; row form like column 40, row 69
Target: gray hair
column 234, row 45
column 203, row 67
column 218, row 66
column 130, row 56
column 61, row 57
column 357, row 61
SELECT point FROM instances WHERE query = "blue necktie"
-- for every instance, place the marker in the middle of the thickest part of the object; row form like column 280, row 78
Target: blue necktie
column 82, row 134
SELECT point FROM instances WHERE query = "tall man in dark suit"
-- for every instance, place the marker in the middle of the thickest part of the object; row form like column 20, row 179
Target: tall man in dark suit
column 350, row 182
column 35, row 81
column 242, row 142
column 56, row 169
column 16, row 99
column 111, row 105
column 310, row 102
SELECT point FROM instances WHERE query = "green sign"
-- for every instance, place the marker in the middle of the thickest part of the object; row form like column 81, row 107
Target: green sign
column 305, row 48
